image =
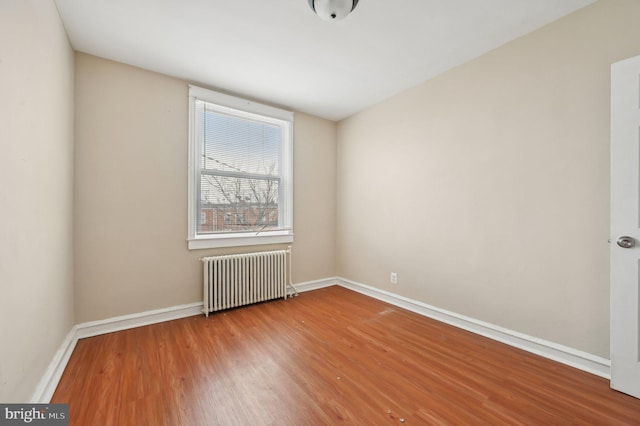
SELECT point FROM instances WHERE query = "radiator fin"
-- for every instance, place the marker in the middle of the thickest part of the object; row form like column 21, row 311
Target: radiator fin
column 242, row 279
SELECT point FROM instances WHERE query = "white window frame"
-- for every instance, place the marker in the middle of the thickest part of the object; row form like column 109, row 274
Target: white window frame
column 247, row 109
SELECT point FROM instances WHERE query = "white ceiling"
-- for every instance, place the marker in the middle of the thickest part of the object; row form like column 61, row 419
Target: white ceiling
column 278, row 51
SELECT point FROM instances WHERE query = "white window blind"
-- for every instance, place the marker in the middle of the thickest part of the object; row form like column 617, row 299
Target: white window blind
column 240, row 183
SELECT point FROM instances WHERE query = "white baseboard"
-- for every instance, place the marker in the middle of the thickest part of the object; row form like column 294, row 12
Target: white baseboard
column 563, row 354
column 317, row 284
column 569, row 356
column 49, row 381
column 124, row 322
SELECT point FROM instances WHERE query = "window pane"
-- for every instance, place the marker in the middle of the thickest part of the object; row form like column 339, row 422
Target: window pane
column 239, row 144
column 234, row 204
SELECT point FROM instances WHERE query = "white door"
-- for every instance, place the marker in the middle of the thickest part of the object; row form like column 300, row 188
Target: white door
column 625, row 226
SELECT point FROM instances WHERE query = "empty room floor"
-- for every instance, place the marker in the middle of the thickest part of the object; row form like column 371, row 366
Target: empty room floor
column 328, row 356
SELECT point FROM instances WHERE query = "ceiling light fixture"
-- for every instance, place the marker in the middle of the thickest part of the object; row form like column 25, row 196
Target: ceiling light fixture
column 332, row 10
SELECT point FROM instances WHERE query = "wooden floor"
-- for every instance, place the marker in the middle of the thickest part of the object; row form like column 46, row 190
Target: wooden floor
column 327, row 357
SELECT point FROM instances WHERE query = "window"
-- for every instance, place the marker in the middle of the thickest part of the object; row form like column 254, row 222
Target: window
column 240, row 172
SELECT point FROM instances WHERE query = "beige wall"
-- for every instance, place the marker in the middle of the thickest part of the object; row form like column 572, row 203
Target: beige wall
column 36, row 175
column 487, row 189
column 314, row 215
column 131, row 193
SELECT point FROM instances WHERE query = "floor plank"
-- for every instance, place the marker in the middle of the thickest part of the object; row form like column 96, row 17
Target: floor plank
column 326, row 357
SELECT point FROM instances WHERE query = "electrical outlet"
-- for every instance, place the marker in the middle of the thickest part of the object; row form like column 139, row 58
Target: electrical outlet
column 394, row 278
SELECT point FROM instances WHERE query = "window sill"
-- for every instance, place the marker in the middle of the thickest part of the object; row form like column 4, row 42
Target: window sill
column 239, row 240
